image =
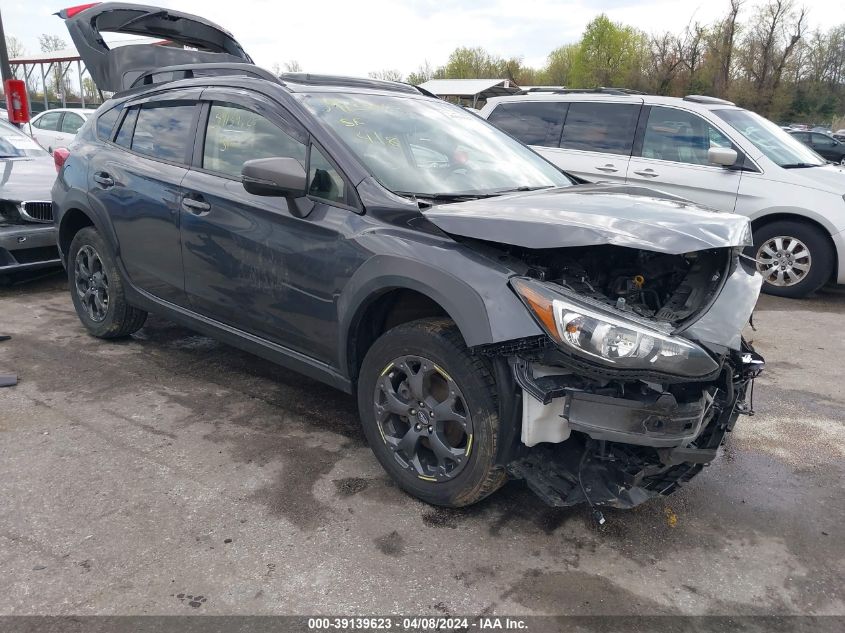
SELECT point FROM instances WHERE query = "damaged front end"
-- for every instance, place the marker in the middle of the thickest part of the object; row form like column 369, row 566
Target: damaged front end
column 641, row 373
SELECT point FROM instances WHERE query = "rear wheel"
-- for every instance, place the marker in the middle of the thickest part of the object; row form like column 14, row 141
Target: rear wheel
column 428, row 408
column 97, row 289
column 795, row 258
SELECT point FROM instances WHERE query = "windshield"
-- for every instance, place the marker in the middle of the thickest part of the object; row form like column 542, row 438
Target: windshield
column 14, row 144
column 776, row 145
column 427, row 147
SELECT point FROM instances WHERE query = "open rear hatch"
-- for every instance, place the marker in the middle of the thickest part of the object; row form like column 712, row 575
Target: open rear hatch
column 187, row 39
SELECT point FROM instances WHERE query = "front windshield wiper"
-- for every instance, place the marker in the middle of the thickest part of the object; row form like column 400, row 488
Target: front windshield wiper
column 446, row 197
column 800, row 165
column 525, row 188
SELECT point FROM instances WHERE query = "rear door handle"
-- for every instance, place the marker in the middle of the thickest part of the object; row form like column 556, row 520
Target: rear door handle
column 103, row 179
column 609, row 168
column 648, row 173
column 197, row 207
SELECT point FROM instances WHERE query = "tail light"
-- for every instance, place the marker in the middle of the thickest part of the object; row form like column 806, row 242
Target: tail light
column 60, row 155
column 72, row 11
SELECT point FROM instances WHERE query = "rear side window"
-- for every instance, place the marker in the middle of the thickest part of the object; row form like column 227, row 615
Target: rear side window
column 533, row 123
column 601, row 127
column 235, row 135
column 71, row 123
column 106, row 121
column 124, row 135
column 163, row 131
column 48, row 121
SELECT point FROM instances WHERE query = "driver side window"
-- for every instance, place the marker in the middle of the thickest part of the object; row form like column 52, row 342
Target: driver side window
column 235, row 135
column 323, row 179
column 680, row 137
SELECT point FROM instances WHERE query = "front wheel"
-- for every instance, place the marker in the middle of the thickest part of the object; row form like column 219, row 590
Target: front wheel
column 795, row 258
column 428, row 408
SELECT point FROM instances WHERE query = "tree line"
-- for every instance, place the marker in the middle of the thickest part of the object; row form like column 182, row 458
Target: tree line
column 763, row 57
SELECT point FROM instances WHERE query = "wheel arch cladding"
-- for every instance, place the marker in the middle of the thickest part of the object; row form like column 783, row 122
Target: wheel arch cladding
column 72, row 222
column 479, row 301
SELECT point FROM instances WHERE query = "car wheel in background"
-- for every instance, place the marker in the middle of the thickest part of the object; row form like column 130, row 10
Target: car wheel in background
column 428, row 408
column 794, row 257
column 97, row 289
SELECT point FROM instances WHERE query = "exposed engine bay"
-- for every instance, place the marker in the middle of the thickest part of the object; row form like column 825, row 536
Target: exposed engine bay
column 657, row 286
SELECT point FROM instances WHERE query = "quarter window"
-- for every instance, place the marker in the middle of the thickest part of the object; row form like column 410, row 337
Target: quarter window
column 235, row 135
column 323, row 179
column 106, row 121
column 601, row 127
column 163, row 130
column 680, row 137
column 533, row 123
column 48, row 121
column 124, row 136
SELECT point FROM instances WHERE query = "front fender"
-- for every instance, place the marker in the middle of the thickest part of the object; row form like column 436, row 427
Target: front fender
column 472, row 289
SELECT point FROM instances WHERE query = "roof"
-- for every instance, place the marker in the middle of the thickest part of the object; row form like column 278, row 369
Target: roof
column 64, row 55
column 483, row 88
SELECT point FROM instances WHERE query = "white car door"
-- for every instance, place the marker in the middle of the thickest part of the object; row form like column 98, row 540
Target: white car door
column 597, row 140
column 673, row 158
column 45, row 129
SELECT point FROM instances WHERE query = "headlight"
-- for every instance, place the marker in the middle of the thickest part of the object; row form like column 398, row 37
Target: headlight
column 610, row 339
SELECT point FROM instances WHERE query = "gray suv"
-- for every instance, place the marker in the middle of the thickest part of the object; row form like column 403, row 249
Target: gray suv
column 495, row 318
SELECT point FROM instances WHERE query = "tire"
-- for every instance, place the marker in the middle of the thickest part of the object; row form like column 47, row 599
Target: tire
column 389, row 365
column 104, row 311
column 793, row 234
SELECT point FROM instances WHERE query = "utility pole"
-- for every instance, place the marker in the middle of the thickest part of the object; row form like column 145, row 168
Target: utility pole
column 5, row 69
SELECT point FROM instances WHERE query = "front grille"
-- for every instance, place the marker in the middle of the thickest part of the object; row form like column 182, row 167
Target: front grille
column 37, row 211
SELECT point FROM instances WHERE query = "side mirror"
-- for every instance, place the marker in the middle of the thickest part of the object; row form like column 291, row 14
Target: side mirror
column 274, row 177
column 724, row 156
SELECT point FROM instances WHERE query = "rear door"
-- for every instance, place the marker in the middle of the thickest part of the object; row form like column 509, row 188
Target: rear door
column 597, row 140
column 137, row 180
column 671, row 155
column 186, row 39
column 45, row 129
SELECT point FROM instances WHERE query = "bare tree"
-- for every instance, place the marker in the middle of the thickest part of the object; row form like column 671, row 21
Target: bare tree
column 387, row 75
column 727, row 32
column 665, row 60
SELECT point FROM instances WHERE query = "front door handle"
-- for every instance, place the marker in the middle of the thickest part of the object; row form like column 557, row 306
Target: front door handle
column 197, row 207
column 648, row 173
column 609, row 168
column 103, row 179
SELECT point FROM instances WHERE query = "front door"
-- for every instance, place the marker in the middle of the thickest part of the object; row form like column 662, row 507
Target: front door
column 249, row 261
column 672, row 157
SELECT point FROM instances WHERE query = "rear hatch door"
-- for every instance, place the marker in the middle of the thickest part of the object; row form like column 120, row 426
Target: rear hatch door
column 187, row 39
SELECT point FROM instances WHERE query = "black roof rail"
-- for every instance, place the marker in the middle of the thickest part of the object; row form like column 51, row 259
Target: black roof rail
column 708, row 100
column 307, row 79
column 189, row 71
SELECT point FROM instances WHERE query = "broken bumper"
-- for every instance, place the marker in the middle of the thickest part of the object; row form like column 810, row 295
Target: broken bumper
column 580, row 446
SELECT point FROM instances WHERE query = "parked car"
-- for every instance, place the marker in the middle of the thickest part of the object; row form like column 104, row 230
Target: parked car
column 705, row 150
column 27, row 235
column 57, row 127
column 839, row 135
column 824, row 145
column 493, row 317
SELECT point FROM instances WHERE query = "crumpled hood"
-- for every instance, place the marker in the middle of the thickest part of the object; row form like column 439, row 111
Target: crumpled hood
column 26, row 178
column 591, row 215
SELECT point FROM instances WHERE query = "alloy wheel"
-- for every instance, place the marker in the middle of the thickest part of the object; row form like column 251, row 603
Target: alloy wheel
column 783, row 260
column 92, row 283
column 423, row 418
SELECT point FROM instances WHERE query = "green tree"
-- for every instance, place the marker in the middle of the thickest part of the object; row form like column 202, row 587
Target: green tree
column 609, row 54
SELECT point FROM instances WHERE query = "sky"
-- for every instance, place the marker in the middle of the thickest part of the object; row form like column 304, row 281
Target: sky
column 357, row 37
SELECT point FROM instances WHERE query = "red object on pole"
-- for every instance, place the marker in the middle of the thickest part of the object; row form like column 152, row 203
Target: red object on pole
column 17, row 103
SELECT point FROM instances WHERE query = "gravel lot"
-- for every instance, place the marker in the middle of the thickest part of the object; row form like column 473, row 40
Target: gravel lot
column 170, row 474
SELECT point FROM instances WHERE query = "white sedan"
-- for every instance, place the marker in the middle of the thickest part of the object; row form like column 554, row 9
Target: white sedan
column 56, row 128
